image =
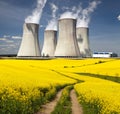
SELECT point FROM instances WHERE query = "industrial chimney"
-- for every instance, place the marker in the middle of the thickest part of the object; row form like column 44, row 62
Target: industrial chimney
column 50, row 41
column 30, row 43
column 83, row 41
column 67, row 42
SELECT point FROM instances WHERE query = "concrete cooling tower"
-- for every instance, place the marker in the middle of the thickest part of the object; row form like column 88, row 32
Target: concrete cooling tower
column 50, row 41
column 83, row 41
column 30, row 43
column 67, row 42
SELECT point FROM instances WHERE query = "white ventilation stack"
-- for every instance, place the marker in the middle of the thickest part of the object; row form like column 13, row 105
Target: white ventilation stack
column 50, row 41
column 67, row 42
column 83, row 41
column 30, row 43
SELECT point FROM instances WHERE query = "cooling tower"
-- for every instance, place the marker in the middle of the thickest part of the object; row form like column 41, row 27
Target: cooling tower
column 30, row 43
column 83, row 41
column 50, row 41
column 67, row 43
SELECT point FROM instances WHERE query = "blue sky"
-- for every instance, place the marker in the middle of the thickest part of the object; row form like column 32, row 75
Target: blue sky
column 104, row 26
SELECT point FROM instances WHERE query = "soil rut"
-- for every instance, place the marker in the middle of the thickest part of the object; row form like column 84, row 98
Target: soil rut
column 49, row 107
column 76, row 107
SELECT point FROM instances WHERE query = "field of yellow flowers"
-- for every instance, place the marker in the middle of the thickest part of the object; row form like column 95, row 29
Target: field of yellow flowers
column 27, row 84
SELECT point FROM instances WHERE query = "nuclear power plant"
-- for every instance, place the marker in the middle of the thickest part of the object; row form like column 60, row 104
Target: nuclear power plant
column 71, row 41
column 83, row 41
column 50, row 41
column 30, row 43
column 67, row 42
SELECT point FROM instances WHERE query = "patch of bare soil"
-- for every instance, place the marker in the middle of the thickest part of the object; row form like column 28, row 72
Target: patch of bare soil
column 49, row 107
column 76, row 107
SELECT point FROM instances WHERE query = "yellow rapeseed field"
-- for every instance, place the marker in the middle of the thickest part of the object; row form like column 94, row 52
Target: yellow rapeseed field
column 27, row 84
column 110, row 67
column 101, row 94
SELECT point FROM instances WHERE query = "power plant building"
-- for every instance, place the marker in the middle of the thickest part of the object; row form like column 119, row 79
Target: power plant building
column 67, row 42
column 83, row 41
column 104, row 54
column 50, row 41
column 30, row 43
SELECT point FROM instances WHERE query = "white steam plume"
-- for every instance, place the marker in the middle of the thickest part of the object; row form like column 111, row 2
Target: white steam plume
column 73, row 14
column 36, row 14
column 54, row 10
column 52, row 24
column 84, row 17
column 118, row 17
column 68, row 14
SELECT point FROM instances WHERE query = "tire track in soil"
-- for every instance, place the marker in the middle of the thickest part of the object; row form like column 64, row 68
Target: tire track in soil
column 76, row 107
column 49, row 107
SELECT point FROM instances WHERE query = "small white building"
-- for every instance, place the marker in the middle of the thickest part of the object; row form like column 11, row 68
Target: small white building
column 104, row 54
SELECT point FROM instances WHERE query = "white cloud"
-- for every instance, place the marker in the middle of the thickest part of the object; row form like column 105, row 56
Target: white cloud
column 6, row 41
column 118, row 17
column 9, row 41
column 9, row 48
column 9, row 44
column 2, row 39
column 6, row 36
column 17, row 37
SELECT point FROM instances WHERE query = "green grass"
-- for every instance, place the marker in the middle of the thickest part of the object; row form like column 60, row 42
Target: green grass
column 106, row 77
column 89, row 108
column 64, row 104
